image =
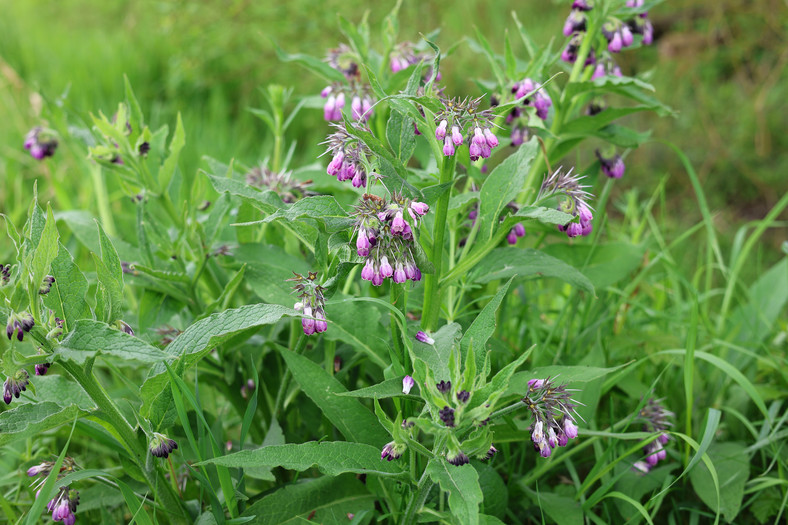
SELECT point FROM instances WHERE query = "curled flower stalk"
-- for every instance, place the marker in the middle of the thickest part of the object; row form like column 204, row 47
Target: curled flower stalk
column 656, row 419
column 349, row 156
column 572, row 200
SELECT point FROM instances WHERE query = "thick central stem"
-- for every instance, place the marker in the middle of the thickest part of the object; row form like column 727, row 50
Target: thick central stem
column 432, row 300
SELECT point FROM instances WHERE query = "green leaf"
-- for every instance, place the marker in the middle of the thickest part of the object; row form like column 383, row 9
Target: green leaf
column 483, row 327
column 351, row 418
column 109, row 295
column 509, row 262
column 315, row 65
column 541, row 214
column 563, row 509
column 462, row 484
column 436, row 355
column 198, row 339
column 629, row 87
column 46, row 250
column 67, row 296
column 266, row 201
column 561, row 374
column 330, row 457
column 502, row 186
column 388, row 388
column 91, row 338
column 31, row 419
column 329, row 498
column 586, row 124
column 323, row 208
column 603, row 265
column 402, row 139
column 354, row 323
column 171, row 164
column 491, row 58
column 62, row 391
column 732, row 464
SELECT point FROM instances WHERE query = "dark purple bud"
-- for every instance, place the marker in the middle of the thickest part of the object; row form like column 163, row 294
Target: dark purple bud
column 458, row 459
column 443, row 386
column 447, row 416
column 161, row 446
column 463, row 396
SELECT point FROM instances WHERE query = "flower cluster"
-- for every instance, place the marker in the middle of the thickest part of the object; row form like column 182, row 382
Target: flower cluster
column 46, row 286
column 19, row 323
column 553, row 413
column 606, row 67
column 161, row 446
column 349, row 156
column 5, row 274
column 459, row 117
column 384, row 235
column 405, row 55
column 640, row 24
column 41, row 143
column 311, row 302
column 392, row 451
column 573, row 201
column 539, row 100
column 612, row 166
column 15, row 385
column 655, row 419
column 64, row 505
column 344, row 60
column 576, row 26
column 281, row 183
column 618, row 36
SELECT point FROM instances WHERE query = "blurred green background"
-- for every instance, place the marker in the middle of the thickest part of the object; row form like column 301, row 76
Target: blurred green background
column 720, row 64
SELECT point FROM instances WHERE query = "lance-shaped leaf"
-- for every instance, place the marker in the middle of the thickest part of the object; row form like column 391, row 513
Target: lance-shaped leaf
column 266, row 201
column 331, row 458
column 351, row 418
column 32, row 419
column 197, row 340
column 315, row 65
column 518, row 384
column 502, row 186
column 462, row 484
column 319, row 499
column 46, row 251
column 483, row 328
column 93, row 338
column 67, row 296
column 505, row 263
column 388, row 388
column 436, row 355
column 323, row 208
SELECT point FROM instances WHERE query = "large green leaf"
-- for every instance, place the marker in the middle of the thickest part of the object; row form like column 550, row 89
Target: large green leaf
column 268, row 268
column 67, row 296
column 198, row 339
column 402, row 139
column 563, row 509
column 330, row 457
column 357, row 324
column 462, row 484
column 732, row 464
column 93, row 338
column 31, row 419
column 483, row 327
column 322, row 208
column 388, row 388
column 109, row 294
column 518, row 384
column 329, row 498
column 46, row 250
column 503, row 263
column 351, row 418
column 436, row 355
column 502, row 186
column 604, row 265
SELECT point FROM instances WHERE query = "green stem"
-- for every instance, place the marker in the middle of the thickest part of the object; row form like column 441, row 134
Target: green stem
column 130, row 439
column 418, row 498
column 285, row 383
column 432, row 302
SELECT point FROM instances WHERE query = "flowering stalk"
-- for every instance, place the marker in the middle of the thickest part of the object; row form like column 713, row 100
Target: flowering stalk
column 432, row 300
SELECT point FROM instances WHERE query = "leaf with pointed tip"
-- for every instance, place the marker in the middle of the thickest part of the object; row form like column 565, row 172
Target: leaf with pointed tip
column 436, row 355
column 322, row 208
column 332, row 458
column 31, row 419
column 67, row 296
column 483, row 327
column 198, row 339
column 509, row 262
column 351, row 418
column 91, row 338
column 462, row 484
column 388, row 388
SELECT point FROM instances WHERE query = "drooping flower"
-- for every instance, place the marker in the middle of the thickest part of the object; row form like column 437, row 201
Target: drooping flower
column 656, row 418
column 349, row 156
column 572, row 197
column 15, row 385
column 459, row 115
column 19, row 323
column 613, row 166
column 553, row 412
column 407, row 384
column 46, row 286
column 161, row 446
column 41, row 143
column 311, row 302
column 384, row 235
column 392, row 451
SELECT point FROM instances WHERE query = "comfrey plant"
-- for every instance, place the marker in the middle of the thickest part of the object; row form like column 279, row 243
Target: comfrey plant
column 397, row 340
